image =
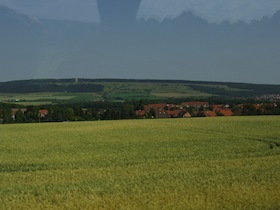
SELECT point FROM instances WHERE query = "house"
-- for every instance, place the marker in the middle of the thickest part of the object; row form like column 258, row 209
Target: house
column 15, row 110
column 187, row 115
column 173, row 106
column 196, row 104
column 225, row 112
column 175, row 113
column 161, row 114
column 258, row 106
column 209, row 114
column 217, row 107
column 43, row 113
column 140, row 113
column 159, row 106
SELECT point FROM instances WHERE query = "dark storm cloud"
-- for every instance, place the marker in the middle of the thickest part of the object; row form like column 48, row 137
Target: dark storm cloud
column 214, row 11
column 186, row 46
column 118, row 11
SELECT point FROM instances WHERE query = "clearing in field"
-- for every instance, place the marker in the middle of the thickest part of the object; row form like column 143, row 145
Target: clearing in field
column 199, row 163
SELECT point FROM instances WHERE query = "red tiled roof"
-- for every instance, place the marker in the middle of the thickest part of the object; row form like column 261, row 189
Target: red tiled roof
column 15, row 110
column 140, row 113
column 226, row 112
column 217, row 107
column 195, row 103
column 154, row 106
column 174, row 113
column 43, row 111
column 258, row 106
column 210, row 114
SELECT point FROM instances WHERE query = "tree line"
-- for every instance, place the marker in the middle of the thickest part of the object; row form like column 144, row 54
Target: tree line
column 68, row 112
column 90, row 111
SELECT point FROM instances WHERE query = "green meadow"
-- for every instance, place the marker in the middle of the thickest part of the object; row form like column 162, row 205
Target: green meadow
column 44, row 98
column 113, row 92
column 198, row 163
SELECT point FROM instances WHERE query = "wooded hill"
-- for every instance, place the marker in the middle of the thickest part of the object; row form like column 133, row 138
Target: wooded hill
column 123, row 89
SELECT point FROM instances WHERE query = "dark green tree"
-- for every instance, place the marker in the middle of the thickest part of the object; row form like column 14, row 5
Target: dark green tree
column 7, row 115
column 19, row 118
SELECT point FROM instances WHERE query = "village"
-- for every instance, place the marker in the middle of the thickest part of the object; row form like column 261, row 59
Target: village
column 128, row 110
column 201, row 109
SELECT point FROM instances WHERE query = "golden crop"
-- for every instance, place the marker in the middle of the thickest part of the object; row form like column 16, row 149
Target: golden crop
column 199, row 163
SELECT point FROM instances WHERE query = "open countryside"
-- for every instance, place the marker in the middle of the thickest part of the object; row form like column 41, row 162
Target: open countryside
column 140, row 105
column 50, row 100
column 194, row 163
column 51, row 91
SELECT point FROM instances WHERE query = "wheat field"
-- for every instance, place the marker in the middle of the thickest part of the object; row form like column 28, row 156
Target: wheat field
column 198, row 163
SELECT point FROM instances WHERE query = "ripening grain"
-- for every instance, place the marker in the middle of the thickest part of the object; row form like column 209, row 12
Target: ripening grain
column 200, row 163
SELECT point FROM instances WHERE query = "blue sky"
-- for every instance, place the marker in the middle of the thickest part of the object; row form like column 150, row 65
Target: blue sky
column 213, row 40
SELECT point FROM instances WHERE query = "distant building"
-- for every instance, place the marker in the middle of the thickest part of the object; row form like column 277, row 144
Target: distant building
column 159, row 106
column 209, row 114
column 14, row 100
column 187, row 115
column 140, row 113
column 225, row 112
column 176, row 113
column 161, row 114
column 217, row 107
column 15, row 110
column 43, row 113
column 196, row 104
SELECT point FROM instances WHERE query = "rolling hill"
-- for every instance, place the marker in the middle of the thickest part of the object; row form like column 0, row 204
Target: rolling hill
column 63, row 90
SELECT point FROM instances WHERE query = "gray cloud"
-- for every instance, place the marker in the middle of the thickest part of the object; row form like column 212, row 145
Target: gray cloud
column 85, row 10
column 214, row 11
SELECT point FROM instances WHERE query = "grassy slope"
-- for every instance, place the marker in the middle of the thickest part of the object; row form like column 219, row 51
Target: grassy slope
column 149, row 90
column 126, row 89
column 48, row 98
column 202, row 163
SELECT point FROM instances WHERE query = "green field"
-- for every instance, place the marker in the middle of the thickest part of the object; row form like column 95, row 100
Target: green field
column 46, row 91
column 198, row 163
column 149, row 90
column 36, row 99
column 113, row 91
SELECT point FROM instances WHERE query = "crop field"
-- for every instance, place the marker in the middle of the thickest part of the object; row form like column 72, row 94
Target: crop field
column 47, row 98
column 113, row 91
column 197, row 163
column 134, row 90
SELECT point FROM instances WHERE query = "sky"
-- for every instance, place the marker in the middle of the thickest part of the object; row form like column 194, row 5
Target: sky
column 230, row 41
column 214, row 11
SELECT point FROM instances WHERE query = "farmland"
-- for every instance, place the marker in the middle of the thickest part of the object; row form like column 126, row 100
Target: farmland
column 113, row 91
column 44, row 98
column 51, row 91
column 198, row 163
